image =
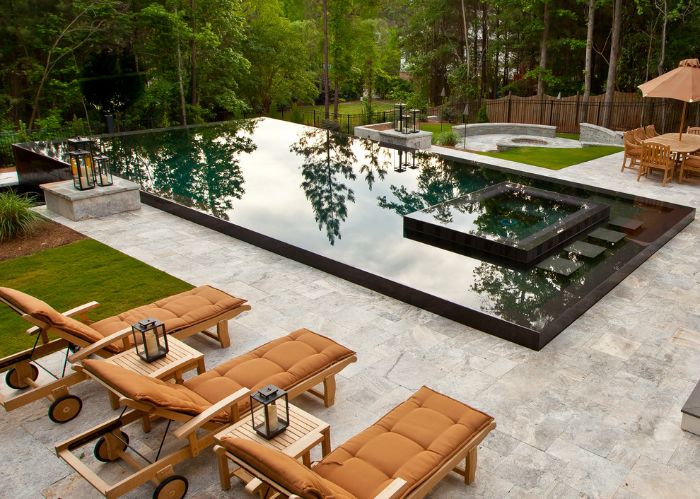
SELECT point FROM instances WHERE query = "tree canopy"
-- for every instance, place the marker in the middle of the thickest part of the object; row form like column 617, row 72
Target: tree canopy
column 167, row 62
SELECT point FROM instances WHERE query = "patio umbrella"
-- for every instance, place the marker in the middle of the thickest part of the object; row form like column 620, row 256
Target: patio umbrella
column 683, row 83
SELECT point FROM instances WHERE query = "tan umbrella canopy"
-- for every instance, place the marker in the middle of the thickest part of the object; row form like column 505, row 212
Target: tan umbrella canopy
column 683, row 83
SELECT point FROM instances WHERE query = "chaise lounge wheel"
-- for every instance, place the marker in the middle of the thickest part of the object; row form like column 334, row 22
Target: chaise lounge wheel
column 13, row 381
column 65, row 408
column 173, row 487
column 101, row 452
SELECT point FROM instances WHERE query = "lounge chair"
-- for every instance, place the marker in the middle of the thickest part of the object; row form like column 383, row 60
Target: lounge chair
column 183, row 314
column 210, row 401
column 404, row 454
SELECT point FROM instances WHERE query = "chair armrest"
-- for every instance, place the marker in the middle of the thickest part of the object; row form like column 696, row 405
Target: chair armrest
column 99, row 345
column 80, row 309
column 195, row 423
column 391, row 489
column 303, row 444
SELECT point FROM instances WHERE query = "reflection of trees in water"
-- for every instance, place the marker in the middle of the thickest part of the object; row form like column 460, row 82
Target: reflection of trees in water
column 374, row 167
column 438, row 181
column 197, row 167
column 524, row 296
column 328, row 159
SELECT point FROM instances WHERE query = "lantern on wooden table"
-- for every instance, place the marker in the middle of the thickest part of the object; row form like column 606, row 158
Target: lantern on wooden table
column 271, row 417
column 150, row 340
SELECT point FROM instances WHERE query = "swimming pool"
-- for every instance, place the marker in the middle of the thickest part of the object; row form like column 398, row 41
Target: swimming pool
column 339, row 204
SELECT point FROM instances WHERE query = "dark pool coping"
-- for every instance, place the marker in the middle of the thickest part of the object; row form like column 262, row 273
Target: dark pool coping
column 501, row 328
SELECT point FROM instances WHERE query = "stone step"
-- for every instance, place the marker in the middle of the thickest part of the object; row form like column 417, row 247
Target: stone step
column 585, row 249
column 559, row 265
column 628, row 224
column 607, row 235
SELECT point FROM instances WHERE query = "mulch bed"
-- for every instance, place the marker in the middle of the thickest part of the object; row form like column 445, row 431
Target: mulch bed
column 47, row 234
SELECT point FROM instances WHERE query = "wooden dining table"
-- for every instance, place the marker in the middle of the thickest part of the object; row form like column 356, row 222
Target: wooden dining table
column 688, row 144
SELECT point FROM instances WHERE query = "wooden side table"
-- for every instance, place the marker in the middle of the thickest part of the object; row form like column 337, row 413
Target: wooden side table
column 303, row 434
column 179, row 359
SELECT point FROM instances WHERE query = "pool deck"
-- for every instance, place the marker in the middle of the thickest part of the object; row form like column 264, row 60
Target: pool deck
column 596, row 413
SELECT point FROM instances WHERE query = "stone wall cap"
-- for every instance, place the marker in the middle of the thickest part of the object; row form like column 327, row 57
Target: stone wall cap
column 64, row 189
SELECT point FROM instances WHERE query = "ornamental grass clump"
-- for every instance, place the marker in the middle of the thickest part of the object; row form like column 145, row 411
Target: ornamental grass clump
column 16, row 215
column 447, row 138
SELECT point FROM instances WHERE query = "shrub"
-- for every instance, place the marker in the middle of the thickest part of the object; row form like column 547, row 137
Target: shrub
column 483, row 116
column 16, row 216
column 446, row 138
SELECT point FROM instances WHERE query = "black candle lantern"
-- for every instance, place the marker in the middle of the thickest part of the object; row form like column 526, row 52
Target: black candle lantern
column 398, row 117
column 415, row 114
column 103, row 171
column 399, row 167
column 80, row 144
column 82, row 170
column 273, row 416
column 150, row 340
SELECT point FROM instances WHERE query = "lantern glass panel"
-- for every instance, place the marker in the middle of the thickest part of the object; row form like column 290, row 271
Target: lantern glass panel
column 150, row 340
column 269, row 411
column 82, row 170
column 80, row 144
column 103, row 171
column 415, row 114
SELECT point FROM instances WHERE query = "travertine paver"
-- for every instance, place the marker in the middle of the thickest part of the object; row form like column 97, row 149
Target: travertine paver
column 595, row 413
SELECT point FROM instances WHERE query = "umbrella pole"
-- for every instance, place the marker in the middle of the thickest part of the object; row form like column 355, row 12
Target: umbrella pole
column 680, row 133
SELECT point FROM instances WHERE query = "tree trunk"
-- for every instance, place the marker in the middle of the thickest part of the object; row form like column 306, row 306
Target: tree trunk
column 662, row 55
column 466, row 40
column 543, row 50
column 326, row 98
column 183, row 106
column 484, row 47
column 194, row 98
column 612, row 66
column 336, row 99
column 589, row 57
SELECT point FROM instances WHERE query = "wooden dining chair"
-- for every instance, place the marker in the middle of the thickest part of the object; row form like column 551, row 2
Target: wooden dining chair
column 633, row 152
column 691, row 164
column 650, row 131
column 656, row 157
column 640, row 135
column 693, row 130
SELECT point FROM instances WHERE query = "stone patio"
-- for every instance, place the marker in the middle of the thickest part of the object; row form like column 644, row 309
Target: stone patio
column 596, row 413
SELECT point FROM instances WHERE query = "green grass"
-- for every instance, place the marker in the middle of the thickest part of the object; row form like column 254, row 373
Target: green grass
column 572, row 136
column 554, row 159
column 354, row 107
column 77, row 273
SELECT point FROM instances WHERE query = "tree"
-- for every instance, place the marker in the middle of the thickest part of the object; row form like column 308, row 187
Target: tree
column 589, row 56
column 612, row 61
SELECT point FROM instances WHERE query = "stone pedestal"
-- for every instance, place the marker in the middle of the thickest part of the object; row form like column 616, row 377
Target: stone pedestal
column 62, row 198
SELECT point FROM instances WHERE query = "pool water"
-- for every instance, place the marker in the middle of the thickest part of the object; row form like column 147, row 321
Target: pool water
column 338, row 203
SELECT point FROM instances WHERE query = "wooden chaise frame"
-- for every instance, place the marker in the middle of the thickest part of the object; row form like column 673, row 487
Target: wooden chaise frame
column 111, row 444
column 22, row 371
column 259, row 483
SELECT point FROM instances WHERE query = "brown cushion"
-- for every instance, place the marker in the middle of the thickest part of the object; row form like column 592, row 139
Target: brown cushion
column 43, row 312
column 176, row 312
column 283, row 362
column 145, row 389
column 282, row 469
column 411, row 442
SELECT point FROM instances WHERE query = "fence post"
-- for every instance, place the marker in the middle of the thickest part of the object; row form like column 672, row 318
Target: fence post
column 551, row 111
column 510, row 104
column 578, row 108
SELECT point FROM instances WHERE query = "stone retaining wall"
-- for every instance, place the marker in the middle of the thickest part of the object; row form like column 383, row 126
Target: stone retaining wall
column 473, row 129
column 594, row 134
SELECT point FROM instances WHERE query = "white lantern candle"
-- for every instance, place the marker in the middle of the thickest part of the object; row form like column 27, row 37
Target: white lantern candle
column 272, row 416
column 151, row 343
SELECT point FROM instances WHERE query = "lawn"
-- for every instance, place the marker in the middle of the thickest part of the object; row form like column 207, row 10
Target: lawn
column 572, row 136
column 354, row 107
column 77, row 273
column 552, row 158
